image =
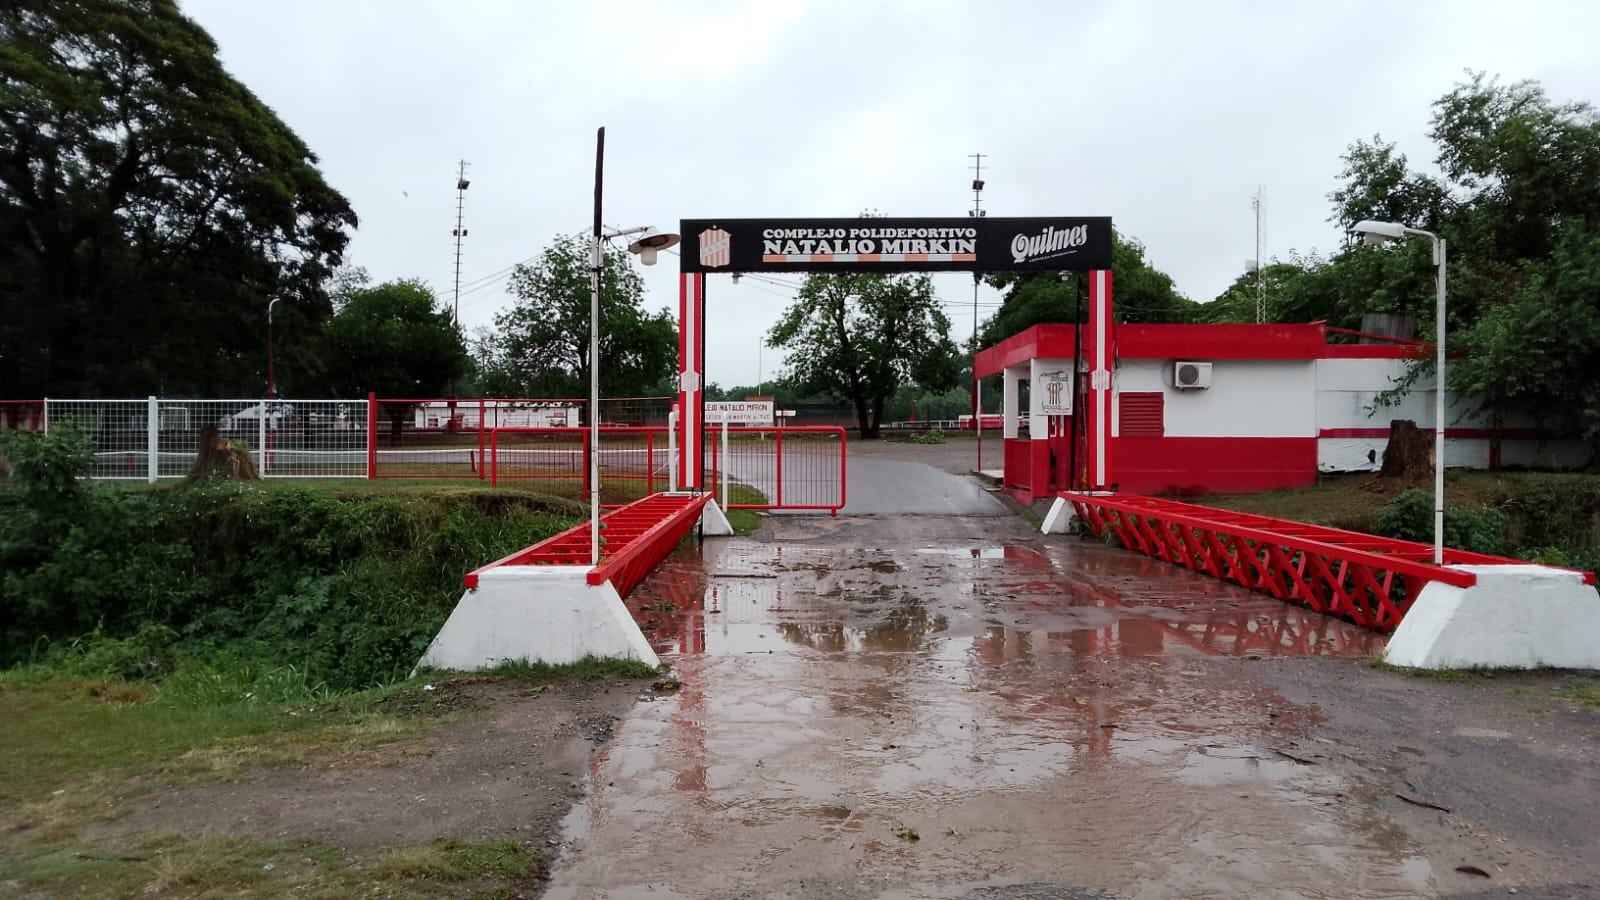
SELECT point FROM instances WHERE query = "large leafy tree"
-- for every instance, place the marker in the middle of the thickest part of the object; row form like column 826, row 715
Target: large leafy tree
column 394, row 340
column 150, row 208
column 1142, row 293
column 861, row 337
column 539, row 347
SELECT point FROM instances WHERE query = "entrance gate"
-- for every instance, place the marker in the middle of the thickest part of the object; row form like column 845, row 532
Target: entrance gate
column 562, row 598
column 894, row 246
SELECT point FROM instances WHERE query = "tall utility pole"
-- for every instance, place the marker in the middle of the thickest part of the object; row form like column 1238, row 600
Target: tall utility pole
column 977, row 213
column 1261, row 284
column 461, row 205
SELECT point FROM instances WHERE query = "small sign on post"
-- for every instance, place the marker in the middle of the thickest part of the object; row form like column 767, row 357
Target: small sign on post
column 1055, row 393
column 739, row 412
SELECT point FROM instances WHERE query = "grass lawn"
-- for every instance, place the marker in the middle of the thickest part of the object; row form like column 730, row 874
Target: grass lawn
column 1353, row 501
column 564, row 497
column 79, row 750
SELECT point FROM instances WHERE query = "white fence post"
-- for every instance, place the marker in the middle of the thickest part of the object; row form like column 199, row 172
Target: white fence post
column 46, row 424
column 261, row 439
column 725, row 462
column 152, row 439
column 672, row 452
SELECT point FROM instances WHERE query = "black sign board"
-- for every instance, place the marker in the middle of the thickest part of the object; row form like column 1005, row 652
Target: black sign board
column 896, row 245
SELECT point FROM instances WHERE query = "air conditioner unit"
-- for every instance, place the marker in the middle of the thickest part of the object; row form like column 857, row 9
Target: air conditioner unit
column 1191, row 376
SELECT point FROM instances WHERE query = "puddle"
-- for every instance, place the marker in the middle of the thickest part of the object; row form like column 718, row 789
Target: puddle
column 1007, row 603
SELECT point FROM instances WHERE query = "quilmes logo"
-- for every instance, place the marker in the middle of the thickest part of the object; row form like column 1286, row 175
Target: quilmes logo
column 716, row 248
column 1050, row 242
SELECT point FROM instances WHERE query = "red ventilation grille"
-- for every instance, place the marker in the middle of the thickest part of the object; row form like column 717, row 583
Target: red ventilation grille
column 1142, row 415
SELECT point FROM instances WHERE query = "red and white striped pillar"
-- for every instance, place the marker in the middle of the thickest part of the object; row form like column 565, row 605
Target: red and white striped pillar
column 691, row 377
column 1101, row 357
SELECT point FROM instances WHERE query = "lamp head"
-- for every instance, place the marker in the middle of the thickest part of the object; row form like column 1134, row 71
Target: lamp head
column 1374, row 232
column 651, row 243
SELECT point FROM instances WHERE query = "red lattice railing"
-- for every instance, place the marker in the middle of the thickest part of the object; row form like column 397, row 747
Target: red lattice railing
column 1369, row 580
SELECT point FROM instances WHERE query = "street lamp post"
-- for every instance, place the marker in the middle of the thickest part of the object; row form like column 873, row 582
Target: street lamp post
column 270, row 389
column 268, row 404
column 648, row 244
column 1373, row 232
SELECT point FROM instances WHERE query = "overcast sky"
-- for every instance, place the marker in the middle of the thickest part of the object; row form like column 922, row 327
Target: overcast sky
column 1166, row 116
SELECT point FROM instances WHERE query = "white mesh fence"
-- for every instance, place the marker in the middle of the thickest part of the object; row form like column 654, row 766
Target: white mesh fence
column 154, row 439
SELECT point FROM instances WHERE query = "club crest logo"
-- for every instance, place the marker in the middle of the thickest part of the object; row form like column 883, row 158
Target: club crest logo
column 716, row 248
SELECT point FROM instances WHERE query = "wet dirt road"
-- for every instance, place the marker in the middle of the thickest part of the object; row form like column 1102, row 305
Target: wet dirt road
column 959, row 707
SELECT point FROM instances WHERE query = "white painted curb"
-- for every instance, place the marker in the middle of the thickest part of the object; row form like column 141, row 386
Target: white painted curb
column 1515, row 617
column 1063, row 515
column 547, row 614
column 1060, row 517
column 714, row 522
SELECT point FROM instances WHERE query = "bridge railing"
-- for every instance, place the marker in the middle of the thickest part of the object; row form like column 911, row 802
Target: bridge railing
column 1366, row 579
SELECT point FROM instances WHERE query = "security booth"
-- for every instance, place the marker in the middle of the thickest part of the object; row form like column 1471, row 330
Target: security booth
column 1199, row 409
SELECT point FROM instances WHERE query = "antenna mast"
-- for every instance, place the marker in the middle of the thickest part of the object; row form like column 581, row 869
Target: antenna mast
column 1261, row 284
column 461, row 205
column 977, row 212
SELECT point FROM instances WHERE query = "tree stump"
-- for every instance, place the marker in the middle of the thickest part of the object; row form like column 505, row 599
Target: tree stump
column 217, row 457
column 1409, row 455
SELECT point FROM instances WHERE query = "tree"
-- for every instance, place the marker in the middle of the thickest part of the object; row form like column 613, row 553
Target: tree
column 1536, row 353
column 1518, row 202
column 1338, row 290
column 540, row 346
column 393, row 340
column 860, row 337
column 1237, row 303
column 1141, row 292
column 150, row 207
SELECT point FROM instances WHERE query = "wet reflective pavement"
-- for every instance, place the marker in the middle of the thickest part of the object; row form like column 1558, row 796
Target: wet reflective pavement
column 959, row 707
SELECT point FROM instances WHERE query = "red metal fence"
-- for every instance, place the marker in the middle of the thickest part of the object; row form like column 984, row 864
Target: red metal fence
column 747, row 467
column 438, row 437
column 1369, row 580
column 801, row 468
column 556, row 457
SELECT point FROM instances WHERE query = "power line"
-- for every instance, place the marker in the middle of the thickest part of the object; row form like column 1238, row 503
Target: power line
column 498, row 277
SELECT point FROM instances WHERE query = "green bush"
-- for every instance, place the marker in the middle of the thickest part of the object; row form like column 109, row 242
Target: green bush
column 934, row 435
column 1554, row 511
column 1410, row 517
column 345, row 591
column 46, row 490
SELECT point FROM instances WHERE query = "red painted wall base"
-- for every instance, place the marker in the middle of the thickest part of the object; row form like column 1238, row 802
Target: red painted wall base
column 1188, row 466
column 1172, row 466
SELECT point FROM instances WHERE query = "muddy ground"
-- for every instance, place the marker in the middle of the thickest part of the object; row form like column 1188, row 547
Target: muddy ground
column 512, row 769
column 955, row 706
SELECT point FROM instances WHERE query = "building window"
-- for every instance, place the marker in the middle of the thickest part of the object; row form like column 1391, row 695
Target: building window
column 1142, row 415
